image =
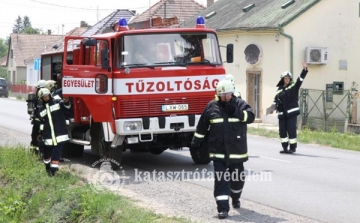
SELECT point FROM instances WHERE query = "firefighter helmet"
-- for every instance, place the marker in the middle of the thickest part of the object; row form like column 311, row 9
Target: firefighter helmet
column 231, row 78
column 43, row 92
column 41, row 83
column 50, row 85
column 286, row 74
column 223, row 87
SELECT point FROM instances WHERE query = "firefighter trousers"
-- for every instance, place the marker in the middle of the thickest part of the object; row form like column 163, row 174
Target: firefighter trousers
column 287, row 132
column 229, row 182
column 35, row 133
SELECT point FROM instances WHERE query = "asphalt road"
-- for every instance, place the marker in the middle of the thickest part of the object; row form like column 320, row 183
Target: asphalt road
column 317, row 182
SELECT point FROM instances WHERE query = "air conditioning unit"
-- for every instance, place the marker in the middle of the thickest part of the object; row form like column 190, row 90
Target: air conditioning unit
column 316, row 55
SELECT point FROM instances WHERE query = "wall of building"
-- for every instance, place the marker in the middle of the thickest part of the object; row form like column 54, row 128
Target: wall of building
column 330, row 24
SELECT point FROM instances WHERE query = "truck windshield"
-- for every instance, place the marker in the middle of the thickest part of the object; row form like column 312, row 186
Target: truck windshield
column 167, row 49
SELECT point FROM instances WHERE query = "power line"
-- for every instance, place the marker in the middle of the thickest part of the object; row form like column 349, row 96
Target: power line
column 70, row 7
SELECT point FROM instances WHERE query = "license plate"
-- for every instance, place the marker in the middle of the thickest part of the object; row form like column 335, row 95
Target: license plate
column 178, row 107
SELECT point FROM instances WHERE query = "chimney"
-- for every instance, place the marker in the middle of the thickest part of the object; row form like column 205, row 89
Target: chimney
column 209, row 2
column 49, row 32
column 82, row 24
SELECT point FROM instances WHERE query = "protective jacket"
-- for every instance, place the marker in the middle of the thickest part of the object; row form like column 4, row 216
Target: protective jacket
column 286, row 98
column 225, row 132
column 53, row 125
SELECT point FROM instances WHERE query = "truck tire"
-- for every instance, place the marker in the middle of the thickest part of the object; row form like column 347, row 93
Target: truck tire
column 77, row 150
column 200, row 155
column 66, row 151
column 72, row 150
column 101, row 148
column 96, row 137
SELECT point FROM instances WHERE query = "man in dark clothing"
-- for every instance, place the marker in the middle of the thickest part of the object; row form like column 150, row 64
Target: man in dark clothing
column 286, row 103
column 35, row 121
column 53, row 131
column 224, row 122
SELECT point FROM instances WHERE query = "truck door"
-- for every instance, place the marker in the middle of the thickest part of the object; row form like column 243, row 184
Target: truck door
column 87, row 76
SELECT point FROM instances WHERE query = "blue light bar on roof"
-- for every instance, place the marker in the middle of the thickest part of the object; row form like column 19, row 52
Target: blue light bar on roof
column 122, row 22
column 200, row 22
column 123, row 25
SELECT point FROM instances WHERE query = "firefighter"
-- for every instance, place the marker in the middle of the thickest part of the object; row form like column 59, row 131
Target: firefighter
column 231, row 78
column 286, row 104
column 51, row 86
column 224, row 123
column 35, row 121
column 53, row 132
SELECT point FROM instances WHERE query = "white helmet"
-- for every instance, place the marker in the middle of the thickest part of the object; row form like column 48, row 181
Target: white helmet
column 43, row 92
column 41, row 83
column 231, row 78
column 50, row 85
column 286, row 74
column 224, row 86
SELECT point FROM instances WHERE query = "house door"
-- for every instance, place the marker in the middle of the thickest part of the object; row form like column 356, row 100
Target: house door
column 253, row 92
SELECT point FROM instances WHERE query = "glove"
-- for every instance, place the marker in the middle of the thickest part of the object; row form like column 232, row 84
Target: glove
column 230, row 108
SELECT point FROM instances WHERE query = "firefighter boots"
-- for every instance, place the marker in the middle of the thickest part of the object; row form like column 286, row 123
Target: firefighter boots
column 222, row 215
column 236, row 204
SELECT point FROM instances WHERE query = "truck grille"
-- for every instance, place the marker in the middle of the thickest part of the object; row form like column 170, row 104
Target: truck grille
column 136, row 108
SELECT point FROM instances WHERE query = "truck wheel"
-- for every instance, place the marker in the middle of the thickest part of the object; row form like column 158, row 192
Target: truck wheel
column 77, row 150
column 96, row 137
column 66, row 151
column 102, row 148
column 200, row 156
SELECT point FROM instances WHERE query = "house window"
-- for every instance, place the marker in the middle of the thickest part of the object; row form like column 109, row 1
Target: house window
column 338, row 87
column 252, row 54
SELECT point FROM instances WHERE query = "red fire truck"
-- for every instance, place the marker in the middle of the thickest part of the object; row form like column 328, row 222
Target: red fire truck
column 138, row 90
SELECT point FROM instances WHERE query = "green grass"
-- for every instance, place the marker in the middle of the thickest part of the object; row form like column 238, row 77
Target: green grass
column 27, row 194
column 348, row 141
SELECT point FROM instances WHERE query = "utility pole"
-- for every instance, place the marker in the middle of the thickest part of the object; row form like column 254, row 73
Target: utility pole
column 150, row 13
column 62, row 32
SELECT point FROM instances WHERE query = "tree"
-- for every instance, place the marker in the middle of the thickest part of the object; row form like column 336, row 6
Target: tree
column 18, row 27
column 26, row 22
column 84, row 24
column 31, row 30
column 24, row 26
column 3, row 73
column 3, row 48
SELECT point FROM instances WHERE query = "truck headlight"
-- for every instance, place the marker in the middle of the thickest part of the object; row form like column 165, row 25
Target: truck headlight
column 132, row 126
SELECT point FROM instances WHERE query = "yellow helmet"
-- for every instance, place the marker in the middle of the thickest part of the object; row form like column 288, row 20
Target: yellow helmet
column 43, row 92
column 50, row 85
column 224, row 87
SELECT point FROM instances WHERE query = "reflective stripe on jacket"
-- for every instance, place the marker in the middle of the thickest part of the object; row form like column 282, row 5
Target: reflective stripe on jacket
column 226, row 134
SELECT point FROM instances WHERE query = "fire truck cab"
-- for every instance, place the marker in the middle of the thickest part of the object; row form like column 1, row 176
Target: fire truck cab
column 138, row 90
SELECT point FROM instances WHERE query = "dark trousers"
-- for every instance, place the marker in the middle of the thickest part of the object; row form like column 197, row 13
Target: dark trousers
column 35, row 133
column 229, row 181
column 287, row 132
column 53, row 152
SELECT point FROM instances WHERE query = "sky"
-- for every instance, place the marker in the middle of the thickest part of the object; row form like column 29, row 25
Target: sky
column 62, row 16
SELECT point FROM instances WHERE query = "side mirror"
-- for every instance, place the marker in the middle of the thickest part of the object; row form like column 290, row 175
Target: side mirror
column 104, row 59
column 230, row 53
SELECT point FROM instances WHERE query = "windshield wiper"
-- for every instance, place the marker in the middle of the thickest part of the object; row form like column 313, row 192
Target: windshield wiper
column 201, row 63
column 171, row 63
column 138, row 65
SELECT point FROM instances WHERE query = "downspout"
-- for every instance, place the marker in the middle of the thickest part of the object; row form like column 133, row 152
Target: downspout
column 291, row 47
